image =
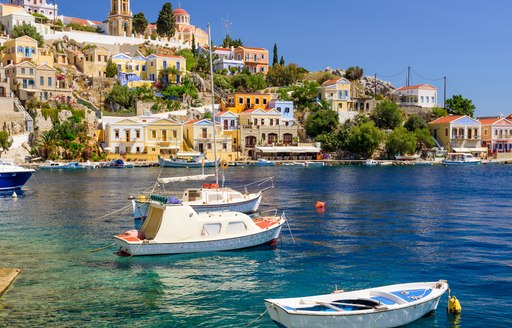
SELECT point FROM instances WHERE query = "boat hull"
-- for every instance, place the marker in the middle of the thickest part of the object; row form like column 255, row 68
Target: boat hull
column 384, row 319
column 303, row 312
column 454, row 163
column 170, row 163
column 140, row 209
column 264, row 237
column 14, row 180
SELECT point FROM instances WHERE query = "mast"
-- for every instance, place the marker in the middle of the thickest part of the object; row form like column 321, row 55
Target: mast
column 213, row 107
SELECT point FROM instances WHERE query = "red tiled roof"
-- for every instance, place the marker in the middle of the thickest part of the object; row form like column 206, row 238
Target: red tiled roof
column 179, row 11
column 252, row 48
column 509, row 117
column 331, row 82
column 168, row 56
column 446, row 119
column 493, row 120
column 419, row 86
column 193, row 121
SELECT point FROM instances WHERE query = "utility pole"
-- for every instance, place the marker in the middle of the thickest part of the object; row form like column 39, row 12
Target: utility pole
column 444, row 95
column 375, row 92
column 409, row 76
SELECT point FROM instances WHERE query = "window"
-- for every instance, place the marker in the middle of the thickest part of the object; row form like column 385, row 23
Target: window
column 137, row 149
column 264, row 101
column 22, row 71
column 287, row 110
column 433, row 100
column 255, row 121
column 49, row 81
column 271, row 122
column 262, row 69
column 257, row 101
column 262, row 121
column 153, row 134
column 143, row 68
column 332, row 94
column 422, row 100
column 427, row 100
column 209, row 145
column 340, row 94
column 116, row 134
column 279, row 109
column 346, row 93
column 446, row 132
column 174, row 134
column 41, row 81
column 137, row 134
column 224, row 146
column 263, row 136
column 240, row 101
column 152, row 63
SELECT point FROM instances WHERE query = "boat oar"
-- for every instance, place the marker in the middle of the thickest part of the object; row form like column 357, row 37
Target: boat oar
column 102, row 248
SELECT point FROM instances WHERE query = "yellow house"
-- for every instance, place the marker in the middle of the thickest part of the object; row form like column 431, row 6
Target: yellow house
column 93, row 62
column 8, row 9
column 134, row 65
column 457, row 133
column 142, row 137
column 238, row 102
column 20, row 49
column 198, row 136
column 337, row 93
column 255, row 59
column 157, row 64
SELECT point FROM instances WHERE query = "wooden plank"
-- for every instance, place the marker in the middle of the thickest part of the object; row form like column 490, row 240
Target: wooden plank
column 7, row 276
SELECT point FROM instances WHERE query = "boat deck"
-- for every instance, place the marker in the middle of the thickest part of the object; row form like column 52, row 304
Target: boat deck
column 7, row 276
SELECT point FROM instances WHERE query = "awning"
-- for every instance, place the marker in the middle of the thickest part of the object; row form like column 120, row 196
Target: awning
column 170, row 147
column 290, row 149
column 470, row 150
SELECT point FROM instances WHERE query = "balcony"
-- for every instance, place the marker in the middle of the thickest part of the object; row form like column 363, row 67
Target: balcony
column 463, row 137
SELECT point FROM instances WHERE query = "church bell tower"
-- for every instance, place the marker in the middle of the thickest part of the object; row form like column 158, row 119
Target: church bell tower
column 120, row 18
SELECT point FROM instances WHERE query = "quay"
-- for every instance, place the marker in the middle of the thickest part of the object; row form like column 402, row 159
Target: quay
column 7, row 276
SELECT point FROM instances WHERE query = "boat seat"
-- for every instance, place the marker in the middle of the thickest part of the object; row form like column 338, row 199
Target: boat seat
column 389, row 296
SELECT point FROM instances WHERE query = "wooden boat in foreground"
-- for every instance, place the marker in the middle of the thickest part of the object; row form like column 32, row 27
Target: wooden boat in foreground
column 177, row 228
column 387, row 306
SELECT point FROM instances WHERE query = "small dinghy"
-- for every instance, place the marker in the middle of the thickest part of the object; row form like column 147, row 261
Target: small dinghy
column 387, row 306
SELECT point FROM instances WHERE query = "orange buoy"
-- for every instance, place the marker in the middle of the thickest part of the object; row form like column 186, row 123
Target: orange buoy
column 320, row 205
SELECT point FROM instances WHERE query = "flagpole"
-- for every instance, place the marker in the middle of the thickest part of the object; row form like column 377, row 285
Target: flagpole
column 213, row 107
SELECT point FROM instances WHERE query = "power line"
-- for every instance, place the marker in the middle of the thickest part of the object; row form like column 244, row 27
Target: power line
column 425, row 78
column 388, row 76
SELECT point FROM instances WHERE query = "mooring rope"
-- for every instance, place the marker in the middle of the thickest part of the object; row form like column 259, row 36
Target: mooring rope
column 102, row 248
column 258, row 318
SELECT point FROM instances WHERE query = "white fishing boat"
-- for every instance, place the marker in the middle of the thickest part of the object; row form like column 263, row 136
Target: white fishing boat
column 315, row 164
column 370, row 162
column 210, row 197
column 51, row 165
column 380, row 307
column 265, row 162
column 186, row 159
column 460, row 159
column 177, row 229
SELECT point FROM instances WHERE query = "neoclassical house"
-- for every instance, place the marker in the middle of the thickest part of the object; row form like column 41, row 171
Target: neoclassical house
column 185, row 31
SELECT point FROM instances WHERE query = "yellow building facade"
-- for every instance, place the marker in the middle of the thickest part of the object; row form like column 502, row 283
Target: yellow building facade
column 198, row 136
column 25, row 48
column 238, row 102
column 337, row 93
column 157, row 64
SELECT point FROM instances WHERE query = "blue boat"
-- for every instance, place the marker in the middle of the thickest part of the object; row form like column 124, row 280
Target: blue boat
column 118, row 164
column 12, row 176
column 264, row 162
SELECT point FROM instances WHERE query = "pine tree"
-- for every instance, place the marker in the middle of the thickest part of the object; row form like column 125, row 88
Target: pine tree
column 275, row 61
column 140, row 23
column 165, row 25
column 193, row 45
column 281, row 62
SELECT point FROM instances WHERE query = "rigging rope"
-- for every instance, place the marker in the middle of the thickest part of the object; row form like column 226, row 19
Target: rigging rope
column 258, row 318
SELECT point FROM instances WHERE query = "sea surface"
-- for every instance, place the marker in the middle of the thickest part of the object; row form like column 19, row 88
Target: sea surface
column 381, row 225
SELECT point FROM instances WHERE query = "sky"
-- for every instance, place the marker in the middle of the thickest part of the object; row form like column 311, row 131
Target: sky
column 468, row 41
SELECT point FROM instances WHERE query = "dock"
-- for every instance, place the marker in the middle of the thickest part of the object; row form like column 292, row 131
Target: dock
column 7, row 276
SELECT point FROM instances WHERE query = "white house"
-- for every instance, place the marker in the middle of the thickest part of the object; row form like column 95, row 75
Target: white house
column 43, row 7
column 423, row 95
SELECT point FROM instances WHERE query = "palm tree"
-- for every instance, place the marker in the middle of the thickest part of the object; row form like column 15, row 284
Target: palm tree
column 46, row 146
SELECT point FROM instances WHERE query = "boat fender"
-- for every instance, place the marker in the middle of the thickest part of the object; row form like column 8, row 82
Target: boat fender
column 454, row 305
column 224, row 164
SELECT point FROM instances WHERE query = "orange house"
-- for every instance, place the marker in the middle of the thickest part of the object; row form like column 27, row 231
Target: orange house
column 255, row 59
column 238, row 102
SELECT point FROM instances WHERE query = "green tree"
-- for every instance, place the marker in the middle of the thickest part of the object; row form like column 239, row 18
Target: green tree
column 228, row 42
column 193, row 45
column 400, row 141
column 256, row 82
column 415, row 122
column 165, row 25
column 5, row 140
column 111, row 70
column 334, row 141
column 275, row 60
column 439, row 112
column 280, row 75
column 458, row 105
column 387, row 115
column 140, row 23
column 28, row 30
column 121, row 97
column 281, row 62
column 354, row 73
column 424, row 139
column 322, row 121
column 364, row 139
column 189, row 56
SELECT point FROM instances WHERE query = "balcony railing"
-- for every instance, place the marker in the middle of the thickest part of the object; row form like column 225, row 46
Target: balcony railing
column 463, row 137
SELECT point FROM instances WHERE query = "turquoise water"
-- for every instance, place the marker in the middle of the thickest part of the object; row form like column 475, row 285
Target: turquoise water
column 382, row 225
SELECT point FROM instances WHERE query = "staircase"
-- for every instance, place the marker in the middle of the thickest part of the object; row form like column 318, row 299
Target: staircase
column 29, row 122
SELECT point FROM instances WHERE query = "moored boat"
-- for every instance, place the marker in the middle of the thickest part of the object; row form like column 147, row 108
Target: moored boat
column 460, row 159
column 51, row 165
column 12, row 176
column 370, row 162
column 186, row 159
column 380, row 307
column 117, row 164
column 265, row 162
column 177, row 228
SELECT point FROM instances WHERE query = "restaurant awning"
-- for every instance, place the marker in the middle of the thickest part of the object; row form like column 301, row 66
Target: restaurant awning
column 470, row 150
column 289, row 149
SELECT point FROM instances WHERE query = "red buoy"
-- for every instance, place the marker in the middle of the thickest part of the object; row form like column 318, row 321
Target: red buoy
column 320, row 205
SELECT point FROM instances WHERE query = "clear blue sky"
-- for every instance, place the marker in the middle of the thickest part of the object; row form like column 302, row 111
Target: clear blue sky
column 468, row 41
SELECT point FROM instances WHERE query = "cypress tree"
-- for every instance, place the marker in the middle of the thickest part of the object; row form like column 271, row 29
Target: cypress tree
column 282, row 61
column 165, row 25
column 275, row 61
column 193, row 46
